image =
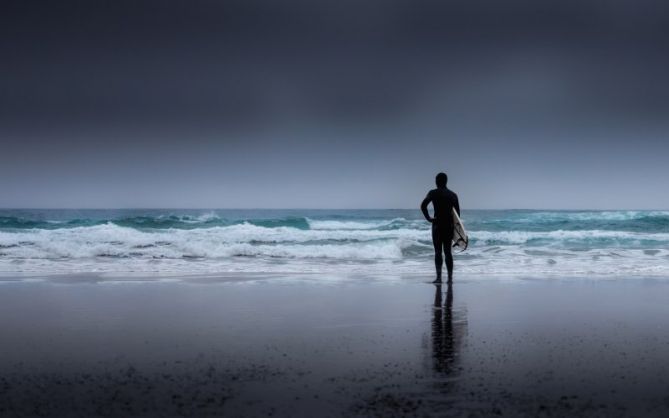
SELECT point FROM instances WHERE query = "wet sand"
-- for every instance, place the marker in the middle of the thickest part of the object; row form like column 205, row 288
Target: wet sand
column 80, row 346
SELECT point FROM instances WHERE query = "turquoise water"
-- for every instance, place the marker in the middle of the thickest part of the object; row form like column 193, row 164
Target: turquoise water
column 508, row 242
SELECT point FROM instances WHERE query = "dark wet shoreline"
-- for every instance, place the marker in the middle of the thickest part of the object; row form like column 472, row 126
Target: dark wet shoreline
column 369, row 348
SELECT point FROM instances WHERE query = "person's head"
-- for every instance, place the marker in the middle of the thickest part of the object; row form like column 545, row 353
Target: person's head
column 441, row 180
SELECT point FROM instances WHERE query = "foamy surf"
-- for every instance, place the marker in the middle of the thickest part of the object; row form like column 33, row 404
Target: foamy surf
column 507, row 243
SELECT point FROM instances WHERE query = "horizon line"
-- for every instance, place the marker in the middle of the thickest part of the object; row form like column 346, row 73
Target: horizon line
column 306, row 208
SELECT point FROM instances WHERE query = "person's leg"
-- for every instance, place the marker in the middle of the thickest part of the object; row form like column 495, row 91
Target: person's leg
column 449, row 259
column 437, row 243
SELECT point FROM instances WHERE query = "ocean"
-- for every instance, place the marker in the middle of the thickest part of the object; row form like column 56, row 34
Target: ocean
column 503, row 243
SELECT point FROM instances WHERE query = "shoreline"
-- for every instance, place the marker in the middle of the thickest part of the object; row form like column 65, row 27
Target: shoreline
column 333, row 348
column 308, row 277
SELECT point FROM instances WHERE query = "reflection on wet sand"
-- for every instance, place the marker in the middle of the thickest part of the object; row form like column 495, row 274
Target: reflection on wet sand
column 447, row 332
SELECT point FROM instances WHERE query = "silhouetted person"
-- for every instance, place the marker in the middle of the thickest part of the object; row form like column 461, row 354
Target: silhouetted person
column 443, row 201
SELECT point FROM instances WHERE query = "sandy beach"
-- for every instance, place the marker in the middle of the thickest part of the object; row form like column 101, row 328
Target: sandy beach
column 305, row 346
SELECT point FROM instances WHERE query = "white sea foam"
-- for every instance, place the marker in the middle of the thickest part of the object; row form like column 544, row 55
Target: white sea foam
column 110, row 240
column 590, row 216
column 206, row 217
column 116, row 241
column 328, row 247
column 386, row 260
column 561, row 236
column 350, row 225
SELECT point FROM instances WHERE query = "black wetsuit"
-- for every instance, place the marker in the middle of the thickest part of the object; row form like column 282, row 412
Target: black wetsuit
column 443, row 201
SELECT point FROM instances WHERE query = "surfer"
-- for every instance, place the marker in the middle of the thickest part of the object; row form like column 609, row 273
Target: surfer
column 443, row 202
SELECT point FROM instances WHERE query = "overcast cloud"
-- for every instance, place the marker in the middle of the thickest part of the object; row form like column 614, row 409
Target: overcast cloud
column 354, row 104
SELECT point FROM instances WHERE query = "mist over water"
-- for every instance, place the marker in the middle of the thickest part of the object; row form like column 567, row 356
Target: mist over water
column 514, row 243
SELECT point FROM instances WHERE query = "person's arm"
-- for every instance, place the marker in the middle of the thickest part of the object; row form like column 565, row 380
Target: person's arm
column 423, row 207
column 457, row 205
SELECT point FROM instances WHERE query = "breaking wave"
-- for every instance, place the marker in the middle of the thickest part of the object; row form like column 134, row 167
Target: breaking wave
column 531, row 243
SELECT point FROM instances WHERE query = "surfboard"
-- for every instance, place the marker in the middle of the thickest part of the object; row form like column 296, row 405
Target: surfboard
column 460, row 239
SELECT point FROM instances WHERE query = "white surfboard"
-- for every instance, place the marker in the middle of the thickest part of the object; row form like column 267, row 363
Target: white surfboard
column 460, row 239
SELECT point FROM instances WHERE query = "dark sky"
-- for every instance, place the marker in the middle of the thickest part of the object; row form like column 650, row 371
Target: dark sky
column 347, row 103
